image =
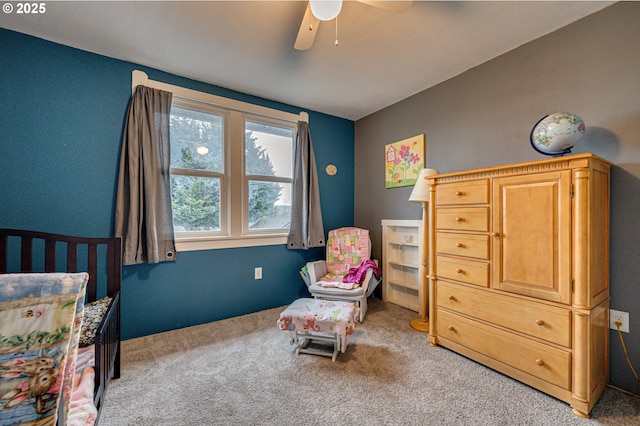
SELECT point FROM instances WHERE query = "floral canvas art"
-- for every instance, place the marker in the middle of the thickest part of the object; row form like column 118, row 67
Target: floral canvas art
column 403, row 161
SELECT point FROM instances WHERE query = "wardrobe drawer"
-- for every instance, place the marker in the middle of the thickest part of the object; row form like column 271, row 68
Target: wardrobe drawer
column 468, row 271
column 463, row 219
column 473, row 192
column 463, row 244
column 545, row 322
column 545, row 362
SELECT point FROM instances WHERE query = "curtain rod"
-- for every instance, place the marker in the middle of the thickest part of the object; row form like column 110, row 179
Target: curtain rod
column 141, row 78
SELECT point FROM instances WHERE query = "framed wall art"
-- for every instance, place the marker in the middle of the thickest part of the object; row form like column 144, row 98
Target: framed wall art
column 403, row 161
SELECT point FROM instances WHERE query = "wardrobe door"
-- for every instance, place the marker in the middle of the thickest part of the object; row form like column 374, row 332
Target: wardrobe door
column 531, row 235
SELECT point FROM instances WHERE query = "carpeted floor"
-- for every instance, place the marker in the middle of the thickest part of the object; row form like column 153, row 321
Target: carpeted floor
column 243, row 371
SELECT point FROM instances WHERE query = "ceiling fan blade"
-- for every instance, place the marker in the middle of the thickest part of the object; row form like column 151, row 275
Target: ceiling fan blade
column 391, row 6
column 307, row 31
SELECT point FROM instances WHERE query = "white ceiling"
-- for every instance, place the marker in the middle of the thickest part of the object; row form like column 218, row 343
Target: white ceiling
column 247, row 46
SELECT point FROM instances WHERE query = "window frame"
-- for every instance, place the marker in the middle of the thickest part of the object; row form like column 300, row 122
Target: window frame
column 235, row 187
column 199, row 235
column 263, row 178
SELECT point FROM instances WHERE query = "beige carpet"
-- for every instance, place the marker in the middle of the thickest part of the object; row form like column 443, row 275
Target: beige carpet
column 243, row 371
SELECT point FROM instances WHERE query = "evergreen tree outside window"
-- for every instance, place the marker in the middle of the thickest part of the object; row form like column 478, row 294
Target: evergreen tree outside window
column 206, row 200
column 269, row 172
column 197, row 169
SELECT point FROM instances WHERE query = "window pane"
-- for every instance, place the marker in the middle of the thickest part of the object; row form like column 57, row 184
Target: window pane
column 196, row 203
column 197, row 139
column 269, row 205
column 268, row 150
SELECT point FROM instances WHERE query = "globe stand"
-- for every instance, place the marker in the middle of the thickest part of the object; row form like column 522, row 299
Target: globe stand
column 555, row 154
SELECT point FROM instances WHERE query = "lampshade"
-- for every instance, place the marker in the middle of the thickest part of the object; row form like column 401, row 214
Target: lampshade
column 420, row 191
column 325, row 10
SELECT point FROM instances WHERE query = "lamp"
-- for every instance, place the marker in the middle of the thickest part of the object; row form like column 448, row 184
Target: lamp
column 325, row 10
column 420, row 194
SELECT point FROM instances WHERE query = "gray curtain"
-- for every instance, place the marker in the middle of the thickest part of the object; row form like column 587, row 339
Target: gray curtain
column 143, row 205
column 306, row 229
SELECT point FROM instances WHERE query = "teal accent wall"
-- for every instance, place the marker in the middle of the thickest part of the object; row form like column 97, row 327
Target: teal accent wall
column 62, row 114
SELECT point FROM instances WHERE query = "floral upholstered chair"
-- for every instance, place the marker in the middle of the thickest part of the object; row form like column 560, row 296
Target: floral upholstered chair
column 348, row 273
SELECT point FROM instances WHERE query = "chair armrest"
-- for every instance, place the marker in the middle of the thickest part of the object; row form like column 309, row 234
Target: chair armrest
column 316, row 270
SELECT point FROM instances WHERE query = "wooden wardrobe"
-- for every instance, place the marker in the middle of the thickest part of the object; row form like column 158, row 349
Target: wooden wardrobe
column 519, row 272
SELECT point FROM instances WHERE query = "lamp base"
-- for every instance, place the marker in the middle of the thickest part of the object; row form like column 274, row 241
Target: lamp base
column 419, row 324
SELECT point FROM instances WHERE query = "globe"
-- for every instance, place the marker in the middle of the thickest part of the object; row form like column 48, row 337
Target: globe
column 555, row 134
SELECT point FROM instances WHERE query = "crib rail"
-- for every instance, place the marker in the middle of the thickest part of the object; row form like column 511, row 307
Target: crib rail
column 34, row 259
column 107, row 347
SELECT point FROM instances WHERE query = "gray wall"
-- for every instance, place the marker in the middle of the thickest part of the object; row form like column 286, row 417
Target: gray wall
column 483, row 117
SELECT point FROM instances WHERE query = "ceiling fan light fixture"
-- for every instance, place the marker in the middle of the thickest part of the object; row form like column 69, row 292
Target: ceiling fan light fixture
column 325, row 10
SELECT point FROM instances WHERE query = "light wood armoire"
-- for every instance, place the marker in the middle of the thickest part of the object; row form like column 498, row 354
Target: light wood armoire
column 519, row 272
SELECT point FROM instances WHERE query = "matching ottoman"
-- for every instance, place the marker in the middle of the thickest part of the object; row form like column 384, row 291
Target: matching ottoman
column 311, row 320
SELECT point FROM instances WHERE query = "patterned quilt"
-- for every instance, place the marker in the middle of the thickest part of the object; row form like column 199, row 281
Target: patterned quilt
column 40, row 319
column 322, row 316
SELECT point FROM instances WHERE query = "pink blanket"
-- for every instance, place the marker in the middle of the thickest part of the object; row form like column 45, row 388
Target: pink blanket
column 353, row 279
column 81, row 410
column 356, row 275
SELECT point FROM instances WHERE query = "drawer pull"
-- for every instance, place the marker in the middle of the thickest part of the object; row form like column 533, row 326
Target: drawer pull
column 540, row 362
column 452, row 298
column 459, row 245
column 495, row 234
column 459, row 219
column 459, row 271
column 459, row 194
column 540, row 322
column 451, row 328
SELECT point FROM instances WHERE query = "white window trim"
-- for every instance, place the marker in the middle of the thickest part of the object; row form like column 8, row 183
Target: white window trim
column 205, row 243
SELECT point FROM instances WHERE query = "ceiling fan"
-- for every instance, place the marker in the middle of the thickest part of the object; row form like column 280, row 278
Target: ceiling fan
column 326, row 10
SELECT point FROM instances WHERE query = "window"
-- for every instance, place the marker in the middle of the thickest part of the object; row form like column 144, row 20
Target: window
column 268, row 171
column 197, row 170
column 231, row 169
column 231, row 173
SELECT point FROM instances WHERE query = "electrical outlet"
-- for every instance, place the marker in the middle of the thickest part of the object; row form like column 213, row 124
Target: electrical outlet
column 257, row 273
column 615, row 316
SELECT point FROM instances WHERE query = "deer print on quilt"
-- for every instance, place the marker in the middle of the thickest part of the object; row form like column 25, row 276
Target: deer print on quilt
column 40, row 319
